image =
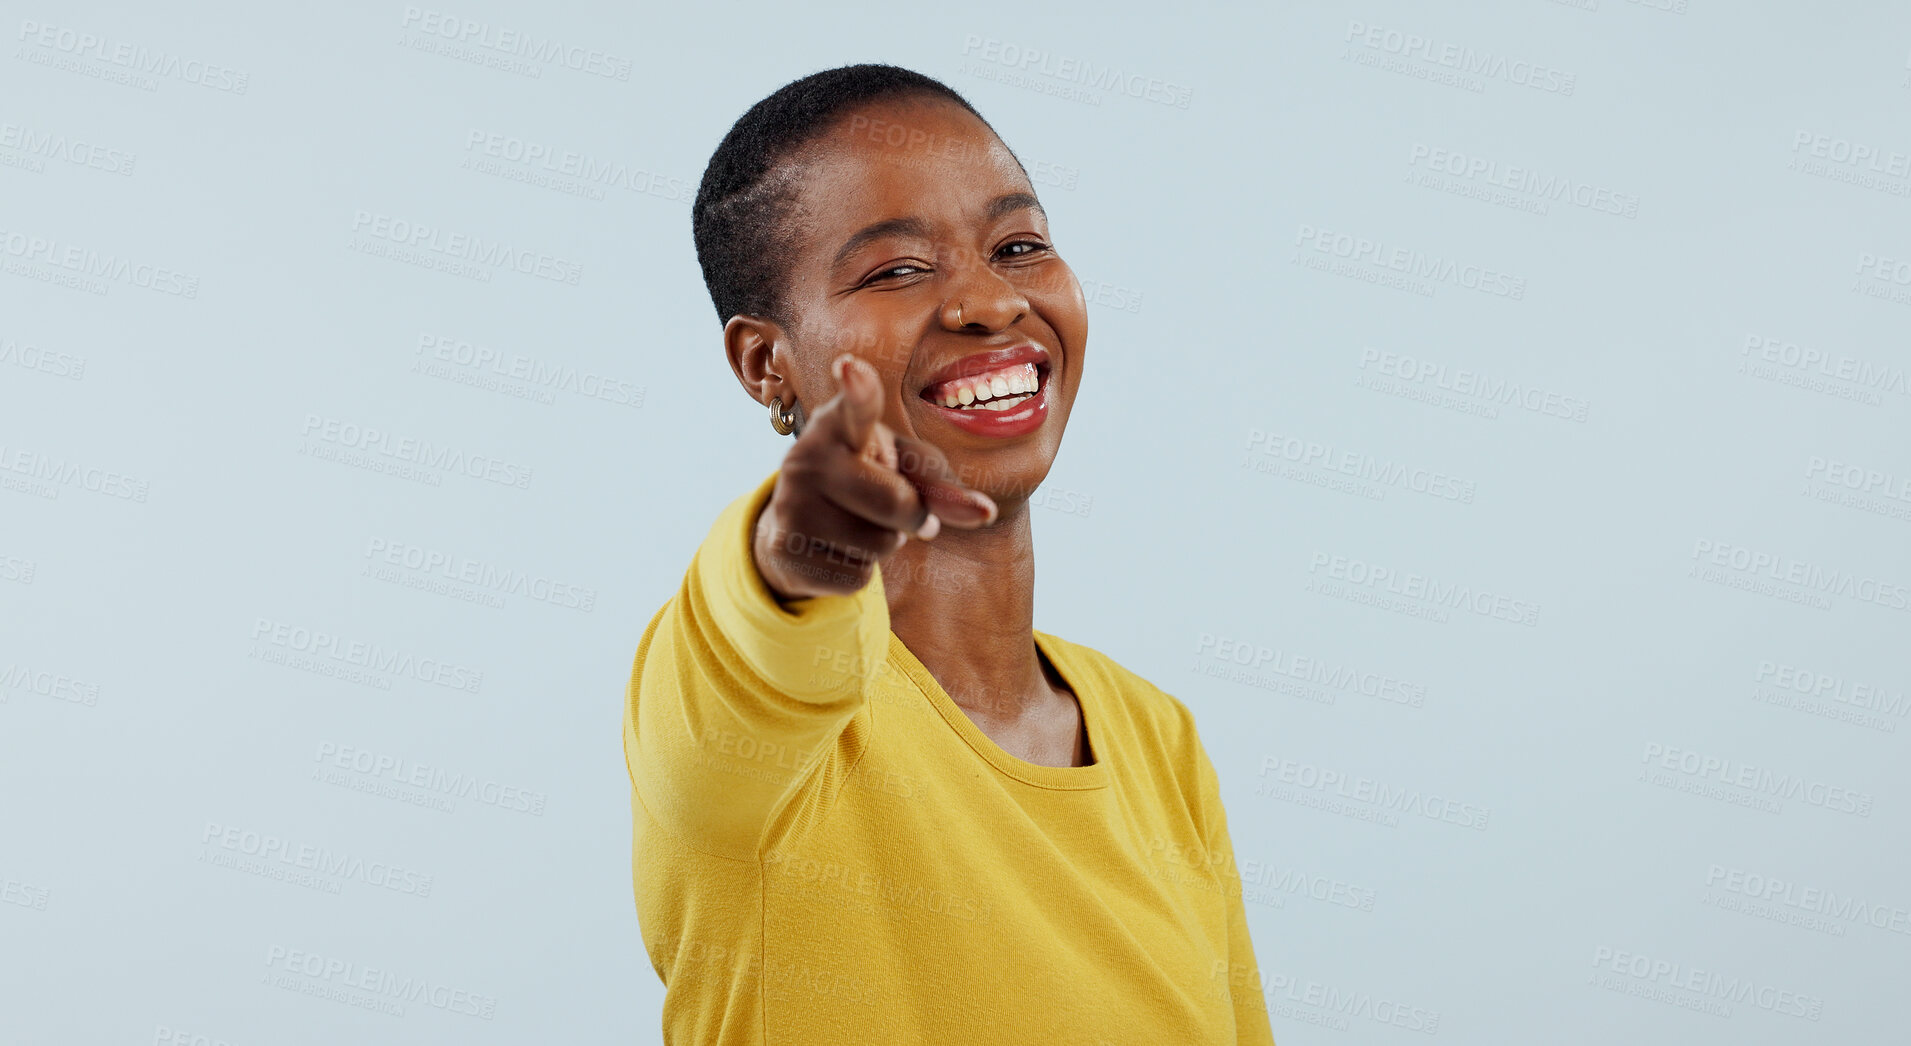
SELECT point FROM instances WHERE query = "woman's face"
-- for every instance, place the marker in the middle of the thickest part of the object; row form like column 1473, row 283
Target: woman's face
column 921, row 248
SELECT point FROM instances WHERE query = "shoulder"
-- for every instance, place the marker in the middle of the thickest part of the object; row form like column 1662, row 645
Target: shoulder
column 1156, row 716
column 1158, row 725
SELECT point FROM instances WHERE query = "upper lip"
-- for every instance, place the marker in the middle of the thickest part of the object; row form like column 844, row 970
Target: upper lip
column 994, row 359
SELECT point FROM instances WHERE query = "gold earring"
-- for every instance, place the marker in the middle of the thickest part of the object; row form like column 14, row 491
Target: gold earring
column 784, row 422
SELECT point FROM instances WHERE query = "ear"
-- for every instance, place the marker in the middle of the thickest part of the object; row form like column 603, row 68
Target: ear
column 751, row 344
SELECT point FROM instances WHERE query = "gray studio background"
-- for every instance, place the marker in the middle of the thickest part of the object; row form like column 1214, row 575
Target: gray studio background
column 1495, row 429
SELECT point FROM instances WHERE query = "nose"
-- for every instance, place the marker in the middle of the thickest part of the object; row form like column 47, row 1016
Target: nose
column 981, row 301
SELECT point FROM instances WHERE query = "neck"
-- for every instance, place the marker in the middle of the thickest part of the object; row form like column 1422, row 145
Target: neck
column 964, row 604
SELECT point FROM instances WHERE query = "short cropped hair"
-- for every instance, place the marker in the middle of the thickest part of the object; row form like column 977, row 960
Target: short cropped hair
column 739, row 217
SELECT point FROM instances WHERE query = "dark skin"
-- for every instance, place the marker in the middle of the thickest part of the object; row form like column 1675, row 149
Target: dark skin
column 876, row 475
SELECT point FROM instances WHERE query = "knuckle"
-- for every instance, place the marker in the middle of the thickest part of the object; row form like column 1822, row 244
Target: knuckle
column 842, row 581
column 896, row 500
column 865, row 551
column 929, row 460
column 800, row 462
column 808, row 471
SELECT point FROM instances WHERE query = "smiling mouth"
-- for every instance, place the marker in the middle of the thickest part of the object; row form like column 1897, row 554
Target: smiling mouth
column 997, row 390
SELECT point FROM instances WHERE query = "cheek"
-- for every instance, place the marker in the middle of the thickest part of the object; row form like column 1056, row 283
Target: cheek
column 1057, row 297
column 887, row 338
column 879, row 334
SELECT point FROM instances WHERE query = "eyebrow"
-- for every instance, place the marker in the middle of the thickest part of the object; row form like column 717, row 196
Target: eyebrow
column 891, row 227
column 1007, row 203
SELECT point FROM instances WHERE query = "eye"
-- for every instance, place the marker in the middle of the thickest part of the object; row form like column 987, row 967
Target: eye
column 1021, row 249
column 901, row 271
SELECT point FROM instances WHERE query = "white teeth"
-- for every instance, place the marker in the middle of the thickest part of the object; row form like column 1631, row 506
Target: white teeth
column 999, row 391
column 1007, row 403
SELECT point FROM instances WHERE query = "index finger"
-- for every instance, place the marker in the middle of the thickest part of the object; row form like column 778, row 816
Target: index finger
column 927, row 469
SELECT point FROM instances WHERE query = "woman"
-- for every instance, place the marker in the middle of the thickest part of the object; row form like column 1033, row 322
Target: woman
column 871, row 803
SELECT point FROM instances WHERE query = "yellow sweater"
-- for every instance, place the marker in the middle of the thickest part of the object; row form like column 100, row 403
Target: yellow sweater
column 828, row 850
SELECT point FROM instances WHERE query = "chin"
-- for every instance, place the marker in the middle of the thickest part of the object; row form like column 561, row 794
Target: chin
column 1006, row 472
column 998, row 419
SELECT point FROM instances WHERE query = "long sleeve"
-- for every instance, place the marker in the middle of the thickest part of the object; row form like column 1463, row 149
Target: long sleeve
column 1243, row 976
column 738, row 711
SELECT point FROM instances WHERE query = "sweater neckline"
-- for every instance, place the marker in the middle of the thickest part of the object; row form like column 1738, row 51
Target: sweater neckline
column 1094, row 775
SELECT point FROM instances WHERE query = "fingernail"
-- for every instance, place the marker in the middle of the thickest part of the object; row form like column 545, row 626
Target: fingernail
column 839, row 367
column 930, row 527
